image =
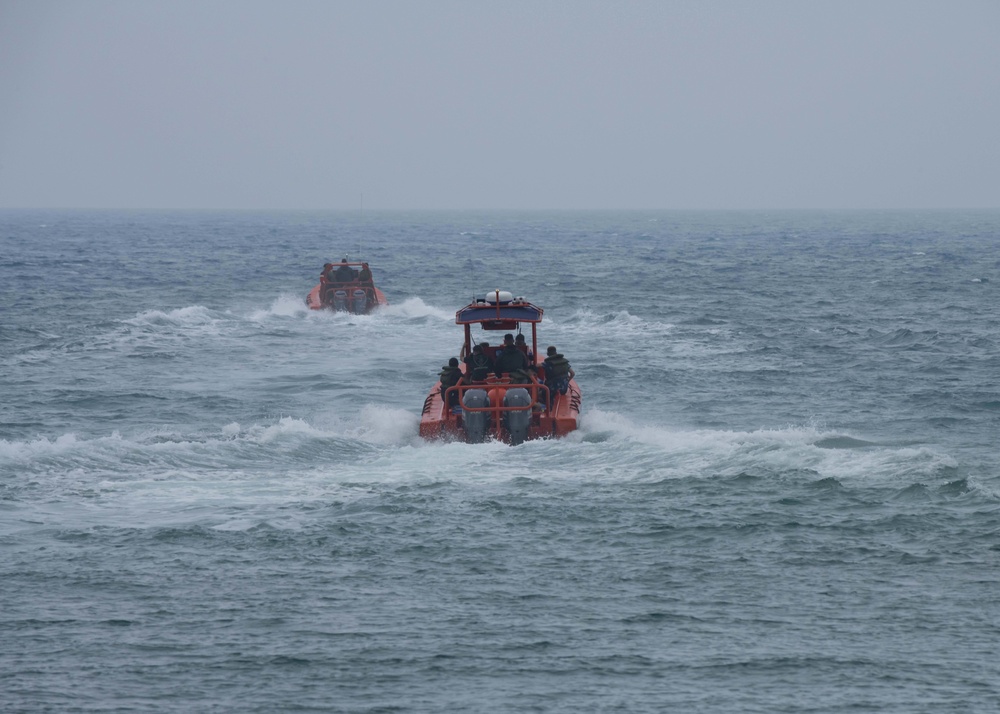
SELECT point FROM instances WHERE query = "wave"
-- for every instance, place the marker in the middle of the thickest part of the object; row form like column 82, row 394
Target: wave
column 275, row 474
column 144, row 335
column 289, row 441
column 414, row 307
column 691, row 339
column 194, row 315
column 905, row 338
column 157, row 329
column 636, row 450
column 293, row 306
column 620, row 323
column 285, row 305
column 796, row 450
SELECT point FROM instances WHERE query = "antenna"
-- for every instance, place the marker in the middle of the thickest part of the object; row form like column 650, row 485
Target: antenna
column 472, row 271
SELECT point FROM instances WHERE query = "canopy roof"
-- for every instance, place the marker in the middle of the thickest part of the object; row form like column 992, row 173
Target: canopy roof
column 496, row 314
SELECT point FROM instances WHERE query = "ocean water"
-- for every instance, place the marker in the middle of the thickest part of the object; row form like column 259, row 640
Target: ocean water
column 784, row 495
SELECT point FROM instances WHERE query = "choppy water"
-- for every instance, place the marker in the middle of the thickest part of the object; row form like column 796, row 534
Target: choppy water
column 784, row 496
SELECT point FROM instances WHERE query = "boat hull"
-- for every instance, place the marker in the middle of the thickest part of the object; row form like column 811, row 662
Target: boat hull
column 375, row 299
column 545, row 421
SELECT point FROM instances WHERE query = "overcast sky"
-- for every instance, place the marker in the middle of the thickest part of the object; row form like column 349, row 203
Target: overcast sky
column 499, row 104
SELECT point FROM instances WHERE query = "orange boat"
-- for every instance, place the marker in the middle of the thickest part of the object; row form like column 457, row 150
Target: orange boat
column 347, row 287
column 510, row 407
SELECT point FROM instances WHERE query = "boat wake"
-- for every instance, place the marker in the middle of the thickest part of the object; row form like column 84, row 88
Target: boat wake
column 411, row 309
column 283, row 306
column 415, row 308
column 621, row 324
column 191, row 316
column 798, row 452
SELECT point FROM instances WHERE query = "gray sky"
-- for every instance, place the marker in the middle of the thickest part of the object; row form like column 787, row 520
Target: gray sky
column 499, row 104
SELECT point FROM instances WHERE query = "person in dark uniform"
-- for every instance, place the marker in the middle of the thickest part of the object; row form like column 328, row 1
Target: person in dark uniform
column 450, row 376
column 478, row 364
column 510, row 359
column 344, row 273
column 558, row 372
column 522, row 345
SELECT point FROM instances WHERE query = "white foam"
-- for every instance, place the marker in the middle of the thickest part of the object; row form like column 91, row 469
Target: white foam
column 286, row 426
column 416, row 307
column 709, row 453
column 191, row 315
column 283, row 306
column 611, row 325
column 384, row 425
column 21, row 451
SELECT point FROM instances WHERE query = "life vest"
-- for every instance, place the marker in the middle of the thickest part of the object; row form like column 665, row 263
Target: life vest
column 520, row 376
column 450, row 376
column 479, row 366
column 556, row 367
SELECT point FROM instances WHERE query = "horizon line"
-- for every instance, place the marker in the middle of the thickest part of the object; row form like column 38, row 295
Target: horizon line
column 495, row 209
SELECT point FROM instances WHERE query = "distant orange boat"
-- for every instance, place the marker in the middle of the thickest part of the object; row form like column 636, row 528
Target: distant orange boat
column 347, row 287
column 510, row 407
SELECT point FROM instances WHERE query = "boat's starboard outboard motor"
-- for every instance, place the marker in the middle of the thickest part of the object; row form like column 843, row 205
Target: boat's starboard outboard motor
column 517, row 422
column 360, row 301
column 477, row 424
column 340, row 300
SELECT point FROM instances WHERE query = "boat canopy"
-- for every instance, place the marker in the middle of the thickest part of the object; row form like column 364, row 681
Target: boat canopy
column 499, row 314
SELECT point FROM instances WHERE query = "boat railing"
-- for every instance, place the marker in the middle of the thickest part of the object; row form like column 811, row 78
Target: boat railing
column 535, row 388
column 353, row 283
column 497, row 388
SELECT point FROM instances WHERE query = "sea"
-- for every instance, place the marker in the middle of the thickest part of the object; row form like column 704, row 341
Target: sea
column 784, row 494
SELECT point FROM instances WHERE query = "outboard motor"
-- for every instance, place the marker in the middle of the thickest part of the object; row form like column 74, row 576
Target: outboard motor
column 477, row 424
column 340, row 300
column 360, row 301
column 517, row 422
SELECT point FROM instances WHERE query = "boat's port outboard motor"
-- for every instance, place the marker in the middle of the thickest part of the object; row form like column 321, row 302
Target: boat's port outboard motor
column 340, row 300
column 360, row 301
column 477, row 424
column 517, row 422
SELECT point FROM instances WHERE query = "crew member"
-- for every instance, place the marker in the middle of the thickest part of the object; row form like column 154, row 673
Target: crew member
column 558, row 372
column 510, row 359
column 450, row 376
column 344, row 273
column 478, row 364
column 523, row 346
